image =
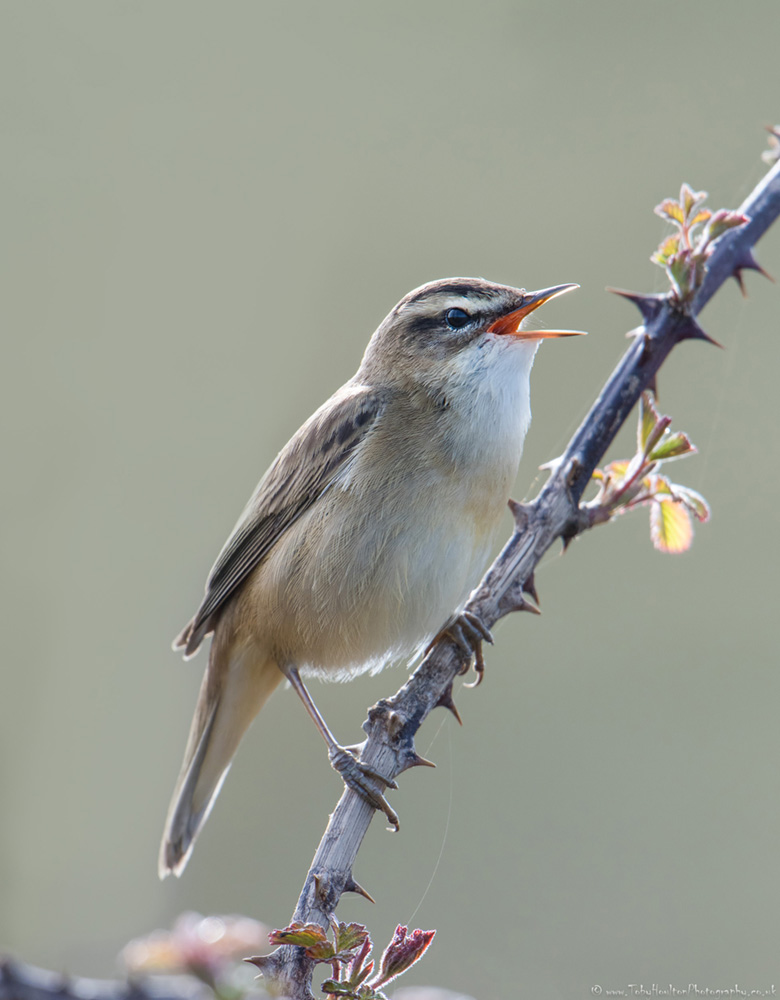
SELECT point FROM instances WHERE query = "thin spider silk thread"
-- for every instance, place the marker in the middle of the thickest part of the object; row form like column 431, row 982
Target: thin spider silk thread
column 446, row 823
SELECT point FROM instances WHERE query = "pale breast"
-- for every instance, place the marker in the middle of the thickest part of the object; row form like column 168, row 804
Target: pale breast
column 379, row 563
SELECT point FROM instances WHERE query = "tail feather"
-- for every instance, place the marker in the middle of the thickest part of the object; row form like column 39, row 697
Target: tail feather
column 181, row 640
column 231, row 695
column 190, row 637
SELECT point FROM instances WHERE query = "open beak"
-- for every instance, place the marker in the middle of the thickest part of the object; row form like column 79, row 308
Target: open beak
column 510, row 323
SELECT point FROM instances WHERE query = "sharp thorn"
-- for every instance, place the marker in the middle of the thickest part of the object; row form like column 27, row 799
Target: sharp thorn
column 513, row 598
column 415, row 760
column 445, row 701
column 692, row 331
column 259, row 960
column 552, row 465
column 648, row 305
column 530, row 588
column 352, row 886
column 747, row 262
column 519, row 513
column 529, row 607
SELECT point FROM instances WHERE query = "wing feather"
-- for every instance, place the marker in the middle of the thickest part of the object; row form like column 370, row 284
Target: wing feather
column 300, row 474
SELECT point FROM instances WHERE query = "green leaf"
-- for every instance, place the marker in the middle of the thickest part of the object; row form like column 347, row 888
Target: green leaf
column 648, row 418
column 672, row 446
column 659, row 485
column 694, row 501
column 671, row 529
column 348, row 937
column 652, row 427
column 666, row 250
column 335, row 989
column 680, row 274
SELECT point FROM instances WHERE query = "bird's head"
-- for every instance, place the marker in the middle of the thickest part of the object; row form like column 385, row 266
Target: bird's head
column 452, row 330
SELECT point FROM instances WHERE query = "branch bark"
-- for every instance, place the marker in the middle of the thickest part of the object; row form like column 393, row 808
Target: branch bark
column 555, row 513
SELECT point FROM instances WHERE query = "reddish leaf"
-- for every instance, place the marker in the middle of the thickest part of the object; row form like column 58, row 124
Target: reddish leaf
column 402, row 953
column 309, row 936
column 722, row 221
column 298, row 933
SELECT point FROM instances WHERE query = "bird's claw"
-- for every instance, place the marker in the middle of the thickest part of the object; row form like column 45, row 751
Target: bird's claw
column 363, row 779
column 468, row 632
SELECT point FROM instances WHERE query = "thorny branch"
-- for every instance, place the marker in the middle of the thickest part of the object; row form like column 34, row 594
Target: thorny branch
column 555, row 513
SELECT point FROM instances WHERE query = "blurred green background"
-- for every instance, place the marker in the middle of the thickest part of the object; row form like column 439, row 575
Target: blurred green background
column 208, row 209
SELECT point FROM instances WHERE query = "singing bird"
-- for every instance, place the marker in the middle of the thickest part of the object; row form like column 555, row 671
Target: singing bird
column 366, row 535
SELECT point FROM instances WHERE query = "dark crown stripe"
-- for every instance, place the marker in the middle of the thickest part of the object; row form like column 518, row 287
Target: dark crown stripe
column 452, row 287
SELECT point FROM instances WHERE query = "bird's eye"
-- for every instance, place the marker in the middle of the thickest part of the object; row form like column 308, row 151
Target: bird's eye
column 456, row 318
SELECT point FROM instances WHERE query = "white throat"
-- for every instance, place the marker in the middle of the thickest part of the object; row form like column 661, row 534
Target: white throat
column 491, row 394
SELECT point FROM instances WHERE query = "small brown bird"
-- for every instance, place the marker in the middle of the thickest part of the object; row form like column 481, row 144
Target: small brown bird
column 368, row 532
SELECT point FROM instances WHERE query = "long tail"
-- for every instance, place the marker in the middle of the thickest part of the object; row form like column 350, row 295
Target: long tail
column 236, row 686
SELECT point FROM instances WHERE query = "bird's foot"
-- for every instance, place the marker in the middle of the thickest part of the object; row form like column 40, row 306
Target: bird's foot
column 363, row 779
column 468, row 632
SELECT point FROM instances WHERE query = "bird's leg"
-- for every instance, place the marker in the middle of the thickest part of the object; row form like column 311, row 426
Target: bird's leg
column 356, row 774
column 468, row 632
